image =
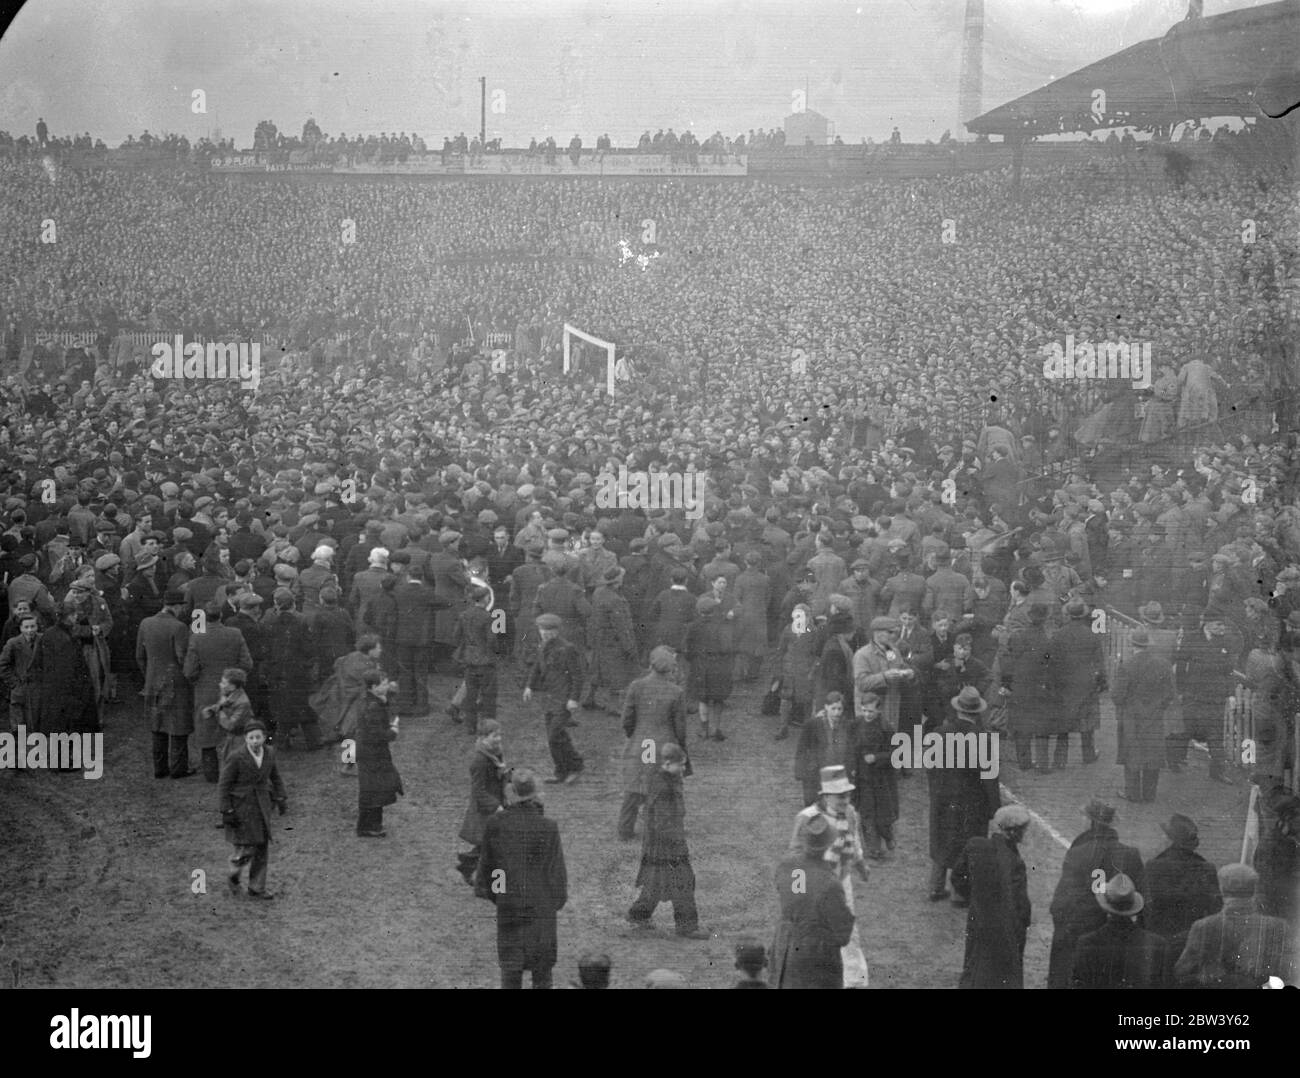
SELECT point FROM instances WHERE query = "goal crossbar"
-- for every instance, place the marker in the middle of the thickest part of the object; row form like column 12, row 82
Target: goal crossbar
column 573, row 331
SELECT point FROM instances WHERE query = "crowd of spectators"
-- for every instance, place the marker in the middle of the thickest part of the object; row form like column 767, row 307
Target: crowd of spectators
column 855, row 370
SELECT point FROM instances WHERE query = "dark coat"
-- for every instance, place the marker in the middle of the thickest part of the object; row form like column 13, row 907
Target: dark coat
column 487, row 793
column 1028, row 673
column 665, row 860
column 815, row 923
column 557, row 673
column 288, row 677
column 379, row 782
column 521, row 870
column 1182, row 887
column 670, row 614
column 332, row 637
column 613, row 640
column 1143, row 691
column 709, row 650
column 250, row 790
column 654, row 715
column 1080, row 676
column 1120, row 955
column 160, row 648
column 416, row 604
column 66, row 688
column 817, row 748
column 876, row 796
column 1074, row 905
column 450, row 582
column 961, row 803
column 208, row 654
column 999, row 915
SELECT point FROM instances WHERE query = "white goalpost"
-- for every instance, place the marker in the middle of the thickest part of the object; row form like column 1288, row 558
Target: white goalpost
column 573, row 331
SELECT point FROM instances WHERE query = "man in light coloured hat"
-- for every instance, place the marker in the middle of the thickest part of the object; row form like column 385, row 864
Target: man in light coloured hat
column 994, row 882
column 844, row 855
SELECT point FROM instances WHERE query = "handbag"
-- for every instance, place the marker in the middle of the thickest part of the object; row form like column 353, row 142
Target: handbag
column 772, row 700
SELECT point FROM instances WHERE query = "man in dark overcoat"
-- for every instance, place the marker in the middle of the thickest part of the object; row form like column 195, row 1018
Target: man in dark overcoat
column 613, row 640
column 521, row 871
column 160, row 648
column 1143, row 691
column 831, row 738
column 1120, row 954
column 285, row 638
column 654, row 715
column 208, row 653
column 961, row 801
column 556, row 675
column 66, row 696
column 996, row 885
column 1182, row 886
column 815, row 919
column 1074, row 907
column 1081, row 679
column 666, row 874
column 250, row 785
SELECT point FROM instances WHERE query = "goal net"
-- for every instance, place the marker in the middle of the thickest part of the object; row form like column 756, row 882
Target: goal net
column 589, row 357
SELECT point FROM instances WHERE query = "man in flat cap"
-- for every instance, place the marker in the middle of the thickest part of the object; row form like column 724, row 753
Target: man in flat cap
column 996, row 884
column 879, row 668
column 654, row 714
column 1239, row 947
column 557, row 674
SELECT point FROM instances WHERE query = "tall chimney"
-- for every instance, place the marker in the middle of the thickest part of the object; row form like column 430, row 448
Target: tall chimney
column 971, row 90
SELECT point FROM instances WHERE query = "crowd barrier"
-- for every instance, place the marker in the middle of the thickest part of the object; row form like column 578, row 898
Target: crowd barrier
column 1238, row 708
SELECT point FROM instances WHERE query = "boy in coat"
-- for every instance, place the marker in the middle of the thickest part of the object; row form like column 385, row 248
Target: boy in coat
column 487, row 794
column 379, row 784
column 666, row 874
column 250, row 785
column 654, row 715
column 877, row 781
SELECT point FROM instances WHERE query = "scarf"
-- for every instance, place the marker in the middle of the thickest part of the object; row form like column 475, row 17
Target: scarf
column 841, row 851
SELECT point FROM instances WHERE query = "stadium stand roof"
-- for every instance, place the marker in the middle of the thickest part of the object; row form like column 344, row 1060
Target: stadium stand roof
column 1241, row 63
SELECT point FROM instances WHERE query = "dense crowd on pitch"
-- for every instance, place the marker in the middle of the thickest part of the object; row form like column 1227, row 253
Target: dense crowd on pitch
column 848, row 491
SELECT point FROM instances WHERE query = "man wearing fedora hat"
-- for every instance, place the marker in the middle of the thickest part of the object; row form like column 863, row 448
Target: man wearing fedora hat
column 1143, row 692
column 1238, row 947
column 1119, row 954
column 1074, row 909
column 1081, row 679
column 962, row 801
column 996, row 885
column 834, row 803
column 816, row 921
column 1163, row 639
column 1204, row 670
column 1182, row 886
column 613, row 639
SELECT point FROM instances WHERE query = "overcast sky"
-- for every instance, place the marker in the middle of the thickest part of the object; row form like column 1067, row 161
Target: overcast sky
column 114, row 67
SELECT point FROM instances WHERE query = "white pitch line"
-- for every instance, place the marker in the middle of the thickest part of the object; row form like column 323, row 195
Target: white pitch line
column 1042, row 822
